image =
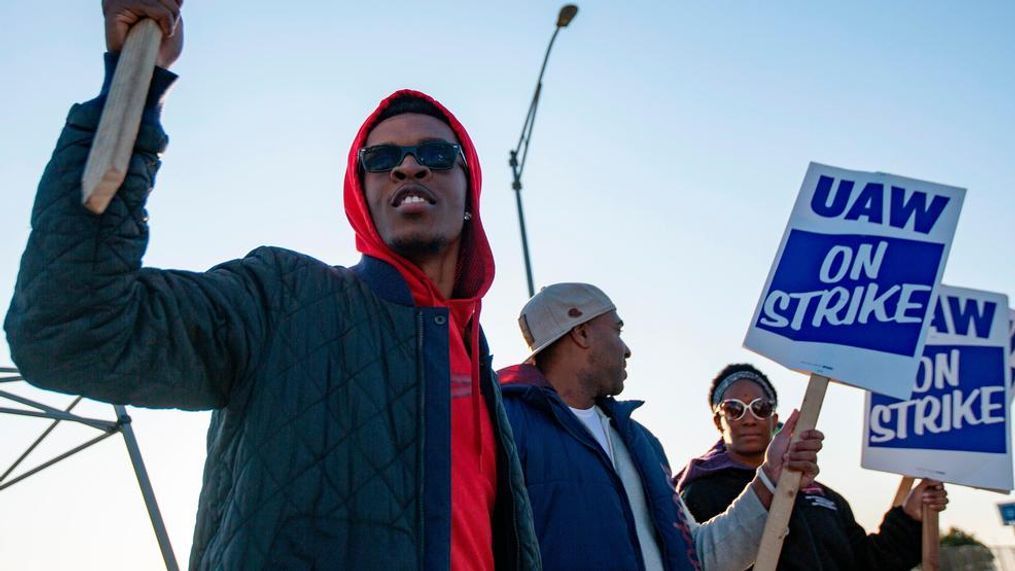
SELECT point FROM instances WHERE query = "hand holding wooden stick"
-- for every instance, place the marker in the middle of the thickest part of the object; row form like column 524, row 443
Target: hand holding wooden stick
column 121, row 117
column 923, row 504
column 146, row 33
column 789, row 481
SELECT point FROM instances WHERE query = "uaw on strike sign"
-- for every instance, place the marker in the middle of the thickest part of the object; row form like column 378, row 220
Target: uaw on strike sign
column 850, row 292
column 954, row 427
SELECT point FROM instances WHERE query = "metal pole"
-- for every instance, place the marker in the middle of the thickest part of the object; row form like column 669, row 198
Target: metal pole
column 146, row 489
column 60, row 415
column 518, row 166
column 122, row 425
column 67, row 454
column 37, row 441
column 525, row 241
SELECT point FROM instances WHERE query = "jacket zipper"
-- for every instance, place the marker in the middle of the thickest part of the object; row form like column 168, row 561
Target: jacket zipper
column 650, row 500
column 613, row 471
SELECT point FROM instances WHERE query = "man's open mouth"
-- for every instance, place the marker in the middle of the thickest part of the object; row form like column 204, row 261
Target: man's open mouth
column 413, row 194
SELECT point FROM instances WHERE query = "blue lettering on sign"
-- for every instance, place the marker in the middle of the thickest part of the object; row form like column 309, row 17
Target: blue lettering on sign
column 860, row 291
column 958, row 403
column 964, row 312
column 869, row 204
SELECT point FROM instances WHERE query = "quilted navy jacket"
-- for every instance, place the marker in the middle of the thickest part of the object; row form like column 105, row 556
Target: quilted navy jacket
column 329, row 441
column 582, row 515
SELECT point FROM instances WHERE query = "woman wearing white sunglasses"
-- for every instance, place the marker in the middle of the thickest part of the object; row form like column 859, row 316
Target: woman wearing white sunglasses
column 823, row 534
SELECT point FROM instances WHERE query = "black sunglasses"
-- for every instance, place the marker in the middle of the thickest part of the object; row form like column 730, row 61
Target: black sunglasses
column 436, row 155
column 735, row 409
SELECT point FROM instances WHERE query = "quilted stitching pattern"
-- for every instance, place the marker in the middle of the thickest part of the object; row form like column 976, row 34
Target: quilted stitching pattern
column 314, row 446
column 322, row 440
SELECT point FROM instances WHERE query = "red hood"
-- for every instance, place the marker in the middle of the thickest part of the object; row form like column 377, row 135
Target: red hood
column 475, row 259
column 473, row 468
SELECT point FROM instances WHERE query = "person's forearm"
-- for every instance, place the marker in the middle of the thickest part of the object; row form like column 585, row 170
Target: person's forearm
column 85, row 318
column 761, row 487
column 76, row 264
column 729, row 541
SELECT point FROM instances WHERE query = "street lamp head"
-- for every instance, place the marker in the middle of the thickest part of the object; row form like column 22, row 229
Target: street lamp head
column 567, row 13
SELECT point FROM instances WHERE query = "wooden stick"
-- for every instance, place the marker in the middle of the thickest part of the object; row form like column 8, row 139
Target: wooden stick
column 121, row 117
column 905, row 485
column 789, row 481
column 931, row 542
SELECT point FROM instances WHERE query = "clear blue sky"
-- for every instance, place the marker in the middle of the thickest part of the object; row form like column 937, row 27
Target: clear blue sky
column 668, row 150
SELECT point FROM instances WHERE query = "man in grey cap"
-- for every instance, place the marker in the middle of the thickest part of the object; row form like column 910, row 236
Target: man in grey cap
column 599, row 482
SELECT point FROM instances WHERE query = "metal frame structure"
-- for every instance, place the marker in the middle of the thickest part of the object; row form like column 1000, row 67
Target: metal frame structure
column 121, row 425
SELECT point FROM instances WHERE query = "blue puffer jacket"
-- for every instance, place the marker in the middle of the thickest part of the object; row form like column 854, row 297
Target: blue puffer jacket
column 582, row 515
column 329, row 447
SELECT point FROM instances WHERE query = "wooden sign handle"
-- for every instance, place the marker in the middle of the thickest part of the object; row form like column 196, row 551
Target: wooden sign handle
column 121, row 117
column 789, row 481
column 931, row 541
column 905, row 486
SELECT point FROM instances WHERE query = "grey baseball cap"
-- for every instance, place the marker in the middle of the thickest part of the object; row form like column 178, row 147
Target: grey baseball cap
column 557, row 309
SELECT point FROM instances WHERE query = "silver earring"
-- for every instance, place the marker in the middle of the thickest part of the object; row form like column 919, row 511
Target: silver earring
column 468, row 216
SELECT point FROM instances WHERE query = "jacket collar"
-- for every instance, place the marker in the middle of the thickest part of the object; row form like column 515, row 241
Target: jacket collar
column 528, row 382
column 384, row 280
column 619, row 409
column 388, row 284
column 716, row 460
column 523, row 375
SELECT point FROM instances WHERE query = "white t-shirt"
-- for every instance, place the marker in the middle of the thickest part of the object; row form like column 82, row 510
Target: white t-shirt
column 598, row 424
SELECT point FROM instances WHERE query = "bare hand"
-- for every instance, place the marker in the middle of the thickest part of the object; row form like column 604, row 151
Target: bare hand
column 120, row 15
column 928, row 492
column 800, row 456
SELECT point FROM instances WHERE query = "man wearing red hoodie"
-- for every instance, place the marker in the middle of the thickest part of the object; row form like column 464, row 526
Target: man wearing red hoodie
column 356, row 422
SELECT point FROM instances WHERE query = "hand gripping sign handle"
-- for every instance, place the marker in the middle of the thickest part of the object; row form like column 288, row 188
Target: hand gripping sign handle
column 789, row 481
column 931, row 543
column 121, row 117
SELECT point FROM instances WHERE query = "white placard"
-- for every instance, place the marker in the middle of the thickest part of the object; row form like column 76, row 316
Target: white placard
column 849, row 294
column 954, row 427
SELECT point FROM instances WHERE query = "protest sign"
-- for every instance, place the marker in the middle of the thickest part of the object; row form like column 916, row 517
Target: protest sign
column 849, row 293
column 1007, row 513
column 954, row 427
column 1011, row 345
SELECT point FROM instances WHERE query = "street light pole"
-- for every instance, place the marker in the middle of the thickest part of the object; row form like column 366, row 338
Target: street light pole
column 567, row 13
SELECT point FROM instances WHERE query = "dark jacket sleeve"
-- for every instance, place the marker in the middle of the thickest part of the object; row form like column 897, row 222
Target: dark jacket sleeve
column 707, row 498
column 896, row 545
column 86, row 318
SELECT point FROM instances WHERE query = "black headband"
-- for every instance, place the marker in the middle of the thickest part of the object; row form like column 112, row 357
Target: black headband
column 739, row 376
